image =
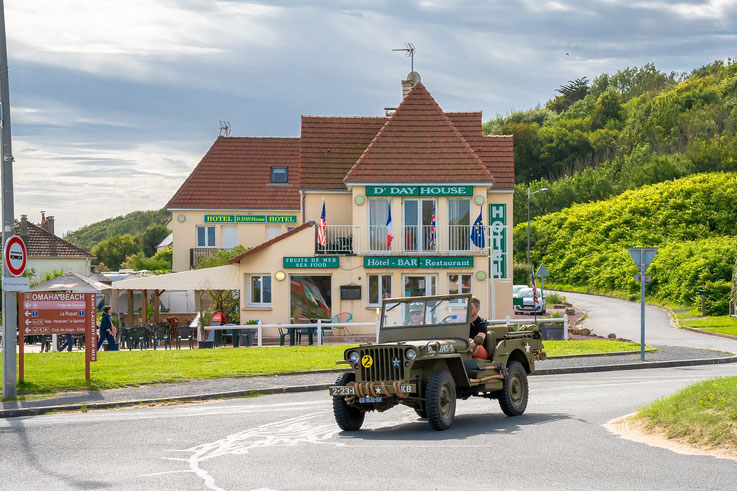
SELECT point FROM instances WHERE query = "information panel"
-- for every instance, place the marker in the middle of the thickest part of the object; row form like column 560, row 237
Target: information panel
column 498, row 240
column 311, row 262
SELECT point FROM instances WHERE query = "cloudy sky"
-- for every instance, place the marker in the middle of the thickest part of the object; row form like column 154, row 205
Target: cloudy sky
column 114, row 103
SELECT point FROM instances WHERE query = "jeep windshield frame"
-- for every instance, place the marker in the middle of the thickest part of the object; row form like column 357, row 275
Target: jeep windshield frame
column 425, row 318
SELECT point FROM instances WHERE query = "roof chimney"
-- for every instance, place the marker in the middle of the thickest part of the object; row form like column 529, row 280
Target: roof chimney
column 50, row 225
column 24, row 226
column 412, row 79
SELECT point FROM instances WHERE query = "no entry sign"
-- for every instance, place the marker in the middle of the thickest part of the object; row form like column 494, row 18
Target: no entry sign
column 15, row 255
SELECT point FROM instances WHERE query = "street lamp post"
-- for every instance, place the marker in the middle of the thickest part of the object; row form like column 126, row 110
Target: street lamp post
column 528, row 224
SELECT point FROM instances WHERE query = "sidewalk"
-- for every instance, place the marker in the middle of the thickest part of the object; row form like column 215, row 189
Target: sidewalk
column 319, row 380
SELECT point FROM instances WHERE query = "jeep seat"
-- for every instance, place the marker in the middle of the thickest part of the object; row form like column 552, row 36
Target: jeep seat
column 490, row 343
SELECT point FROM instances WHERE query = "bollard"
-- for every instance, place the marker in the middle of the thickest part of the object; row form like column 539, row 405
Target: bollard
column 260, row 334
column 319, row 332
column 565, row 328
column 378, row 327
column 508, row 320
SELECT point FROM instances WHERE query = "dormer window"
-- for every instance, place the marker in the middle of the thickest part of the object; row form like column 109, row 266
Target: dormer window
column 280, row 175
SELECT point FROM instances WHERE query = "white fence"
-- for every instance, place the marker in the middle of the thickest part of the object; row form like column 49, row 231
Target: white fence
column 320, row 325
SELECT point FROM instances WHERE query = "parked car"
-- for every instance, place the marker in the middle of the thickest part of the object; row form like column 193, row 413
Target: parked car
column 527, row 304
column 516, row 289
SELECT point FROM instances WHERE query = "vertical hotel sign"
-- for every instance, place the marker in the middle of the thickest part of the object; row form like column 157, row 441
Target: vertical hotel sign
column 498, row 240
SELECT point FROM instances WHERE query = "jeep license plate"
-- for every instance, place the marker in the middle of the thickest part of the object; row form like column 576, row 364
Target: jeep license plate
column 367, row 400
column 342, row 391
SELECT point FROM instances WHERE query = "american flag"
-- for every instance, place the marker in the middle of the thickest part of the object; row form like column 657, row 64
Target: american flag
column 535, row 300
column 432, row 228
column 322, row 229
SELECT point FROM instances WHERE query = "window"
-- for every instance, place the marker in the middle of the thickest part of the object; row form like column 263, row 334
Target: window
column 420, row 230
column 280, row 175
column 420, row 286
column 260, row 294
column 459, row 221
column 206, row 236
column 378, row 216
column 311, row 296
column 379, row 287
column 228, row 236
column 459, row 283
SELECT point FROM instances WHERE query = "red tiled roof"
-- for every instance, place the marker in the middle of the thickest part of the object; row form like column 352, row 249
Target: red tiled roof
column 236, row 173
column 496, row 151
column 330, row 146
column 269, row 242
column 41, row 243
column 419, row 144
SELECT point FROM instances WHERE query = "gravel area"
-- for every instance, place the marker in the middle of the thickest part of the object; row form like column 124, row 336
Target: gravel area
column 304, row 381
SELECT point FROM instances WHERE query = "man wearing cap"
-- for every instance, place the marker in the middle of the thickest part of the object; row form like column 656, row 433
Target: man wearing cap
column 478, row 331
column 416, row 316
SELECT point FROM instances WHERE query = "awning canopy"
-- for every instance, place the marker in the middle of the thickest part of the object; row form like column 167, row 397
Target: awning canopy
column 71, row 282
column 217, row 278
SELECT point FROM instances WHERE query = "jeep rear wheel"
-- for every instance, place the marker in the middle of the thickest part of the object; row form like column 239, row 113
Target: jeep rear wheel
column 515, row 391
column 348, row 418
column 440, row 400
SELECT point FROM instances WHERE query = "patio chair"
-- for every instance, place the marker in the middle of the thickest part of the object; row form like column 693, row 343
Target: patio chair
column 162, row 334
column 140, row 336
column 282, row 334
column 183, row 333
column 342, row 318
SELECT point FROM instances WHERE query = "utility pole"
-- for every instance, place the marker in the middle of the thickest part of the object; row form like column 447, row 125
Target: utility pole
column 10, row 302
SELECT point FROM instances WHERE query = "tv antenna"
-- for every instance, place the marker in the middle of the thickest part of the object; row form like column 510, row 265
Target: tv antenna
column 409, row 50
column 224, row 128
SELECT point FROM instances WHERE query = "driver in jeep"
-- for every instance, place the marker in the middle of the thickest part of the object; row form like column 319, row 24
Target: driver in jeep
column 478, row 331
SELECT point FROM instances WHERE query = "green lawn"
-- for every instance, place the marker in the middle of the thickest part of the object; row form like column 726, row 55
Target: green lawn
column 723, row 324
column 702, row 414
column 582, row 347
column 51, row 372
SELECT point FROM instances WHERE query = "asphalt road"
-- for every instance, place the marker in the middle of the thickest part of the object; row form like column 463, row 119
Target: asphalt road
column 292, row 442
column 622, row 317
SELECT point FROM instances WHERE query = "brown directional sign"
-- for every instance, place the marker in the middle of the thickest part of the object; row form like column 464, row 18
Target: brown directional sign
column 58, row 313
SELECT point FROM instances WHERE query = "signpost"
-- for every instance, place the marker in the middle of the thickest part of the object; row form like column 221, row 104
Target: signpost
column 642, row 256
column 44, row 313
column 542, row 273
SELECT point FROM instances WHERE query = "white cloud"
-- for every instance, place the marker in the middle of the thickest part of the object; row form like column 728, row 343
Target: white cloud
column 45, row 112
column 83, row 182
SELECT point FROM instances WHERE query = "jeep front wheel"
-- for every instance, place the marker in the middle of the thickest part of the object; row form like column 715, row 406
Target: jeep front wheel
column 514, row 393
column 348, row 418
column 440, row 400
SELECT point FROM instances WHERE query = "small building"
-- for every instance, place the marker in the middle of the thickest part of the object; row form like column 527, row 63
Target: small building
column 354, row 210
column 48, row 253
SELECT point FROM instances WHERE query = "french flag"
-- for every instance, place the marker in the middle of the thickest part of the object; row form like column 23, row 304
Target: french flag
column 389, row 229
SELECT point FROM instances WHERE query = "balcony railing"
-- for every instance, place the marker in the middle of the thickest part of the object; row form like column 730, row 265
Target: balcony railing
column 414, row 239
column 197, row 254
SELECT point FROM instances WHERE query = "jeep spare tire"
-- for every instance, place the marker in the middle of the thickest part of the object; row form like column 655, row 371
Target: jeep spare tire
column 348, row 418
column 515, row 391
column 440, row 400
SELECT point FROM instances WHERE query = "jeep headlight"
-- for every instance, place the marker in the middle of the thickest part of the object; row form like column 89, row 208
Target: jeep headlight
column 353, row 356
column 410, row 354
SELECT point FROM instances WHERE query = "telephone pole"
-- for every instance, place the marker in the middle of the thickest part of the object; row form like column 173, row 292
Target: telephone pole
column 10, row 299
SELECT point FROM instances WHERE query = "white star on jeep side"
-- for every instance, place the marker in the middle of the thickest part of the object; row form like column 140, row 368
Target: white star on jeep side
column 527, row 347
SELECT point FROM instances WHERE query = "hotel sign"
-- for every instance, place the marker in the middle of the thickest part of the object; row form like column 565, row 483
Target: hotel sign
column 498, row 240
column 427, row 262
column 311, row 262
column 250, row 219
column 419, row 190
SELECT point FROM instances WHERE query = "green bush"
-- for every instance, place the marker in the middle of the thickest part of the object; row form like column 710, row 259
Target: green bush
column 693, row 222
column 521, row 274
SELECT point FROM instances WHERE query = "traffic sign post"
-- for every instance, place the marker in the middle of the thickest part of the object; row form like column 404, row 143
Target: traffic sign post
column 542, row 273
column 43, row 313
column 642, row 256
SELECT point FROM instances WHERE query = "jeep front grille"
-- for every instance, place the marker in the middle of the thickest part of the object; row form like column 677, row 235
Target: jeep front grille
column 384, row 367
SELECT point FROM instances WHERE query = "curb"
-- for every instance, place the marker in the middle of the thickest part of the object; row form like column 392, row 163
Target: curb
column 708, row 333
column 36, row 411
column 591, row 355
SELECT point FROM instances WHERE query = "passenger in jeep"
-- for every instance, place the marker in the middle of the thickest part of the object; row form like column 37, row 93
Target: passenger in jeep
column 478, row 331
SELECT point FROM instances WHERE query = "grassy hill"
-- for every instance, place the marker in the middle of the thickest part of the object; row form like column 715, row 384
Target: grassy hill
column 636, row 127
column 132, row 223
column 692, row 220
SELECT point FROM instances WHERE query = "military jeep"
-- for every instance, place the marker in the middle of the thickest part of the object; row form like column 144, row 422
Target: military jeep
column 423, row 360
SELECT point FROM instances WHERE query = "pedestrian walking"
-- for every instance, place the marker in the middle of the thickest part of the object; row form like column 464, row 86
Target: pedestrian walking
column 106, row 330
column 68, row 341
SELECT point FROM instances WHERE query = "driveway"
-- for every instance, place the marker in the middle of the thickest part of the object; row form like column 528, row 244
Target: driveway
column 622, row 317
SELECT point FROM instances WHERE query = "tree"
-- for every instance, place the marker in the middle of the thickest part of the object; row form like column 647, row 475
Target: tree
column 115, row 250
column 608, row 108
column 151, row 237
column 574, row 90
column 160, row 263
